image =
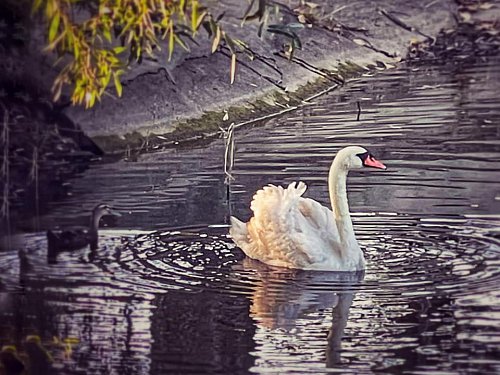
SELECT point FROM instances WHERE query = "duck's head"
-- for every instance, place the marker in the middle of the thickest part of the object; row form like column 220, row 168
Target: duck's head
column 356, row 157
column 103, row 209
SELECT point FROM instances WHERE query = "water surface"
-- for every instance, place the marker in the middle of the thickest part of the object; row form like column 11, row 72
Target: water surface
column 167, row 291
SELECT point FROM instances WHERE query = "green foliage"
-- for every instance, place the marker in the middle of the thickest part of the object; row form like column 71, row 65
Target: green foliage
column 95, row 47
column 95, row 40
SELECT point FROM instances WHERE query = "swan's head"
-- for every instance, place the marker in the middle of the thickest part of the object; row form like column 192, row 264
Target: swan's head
column 355, row 157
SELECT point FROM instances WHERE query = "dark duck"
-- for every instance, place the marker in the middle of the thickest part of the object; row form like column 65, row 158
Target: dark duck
column 77, row 238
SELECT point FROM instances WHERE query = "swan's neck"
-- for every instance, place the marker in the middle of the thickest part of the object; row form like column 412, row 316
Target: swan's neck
column 338, row 196
column 338, row 191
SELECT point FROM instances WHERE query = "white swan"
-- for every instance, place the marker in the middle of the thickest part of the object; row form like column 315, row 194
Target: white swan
column 294, row 232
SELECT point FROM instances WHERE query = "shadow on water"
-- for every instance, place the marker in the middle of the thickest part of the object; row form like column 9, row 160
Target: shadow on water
column 167, row 291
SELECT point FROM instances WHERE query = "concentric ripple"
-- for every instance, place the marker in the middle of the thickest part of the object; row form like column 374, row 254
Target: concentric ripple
column 427, row 279
column 417, row 256
column 429, row 290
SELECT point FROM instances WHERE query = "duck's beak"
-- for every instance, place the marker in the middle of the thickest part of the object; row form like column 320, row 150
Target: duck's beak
column 370, row 161
column 114, row 212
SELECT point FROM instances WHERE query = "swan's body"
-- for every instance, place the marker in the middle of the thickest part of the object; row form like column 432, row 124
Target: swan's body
column 77, row 238
column 290, row 231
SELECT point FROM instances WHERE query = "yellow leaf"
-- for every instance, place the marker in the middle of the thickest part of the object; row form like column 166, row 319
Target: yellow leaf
column 194, row 16
column 216, row 41
column 361, row 42
column 181, row 42
column 171, row 40
column 119, row 49
column 201, row 17
column 90, row 99
column 71, row 340
column 76, row 50
column 233, row 67
column 57, row 92
column 53, row 45
column 107, row 34
column 49, row 9
column 54, row 26
column 36, row 6
column 118, row 85
column 229, row 42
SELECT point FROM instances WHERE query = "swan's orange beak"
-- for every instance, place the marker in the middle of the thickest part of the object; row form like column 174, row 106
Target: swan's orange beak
column 370, row 161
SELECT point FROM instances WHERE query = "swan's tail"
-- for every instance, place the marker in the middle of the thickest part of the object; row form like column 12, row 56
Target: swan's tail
column 238, row 232
column 275, row 200
column 271, row 206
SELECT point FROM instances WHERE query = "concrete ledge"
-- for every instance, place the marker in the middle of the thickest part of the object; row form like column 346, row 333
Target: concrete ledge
column 188, row 97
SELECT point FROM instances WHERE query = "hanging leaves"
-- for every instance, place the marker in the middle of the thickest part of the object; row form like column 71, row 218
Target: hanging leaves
column 97, row 50
column 96, row 45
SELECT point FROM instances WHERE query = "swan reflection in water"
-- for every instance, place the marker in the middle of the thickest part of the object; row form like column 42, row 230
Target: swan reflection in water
column 289, row 305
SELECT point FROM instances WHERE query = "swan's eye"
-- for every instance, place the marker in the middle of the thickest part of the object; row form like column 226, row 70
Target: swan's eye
column 364, row 156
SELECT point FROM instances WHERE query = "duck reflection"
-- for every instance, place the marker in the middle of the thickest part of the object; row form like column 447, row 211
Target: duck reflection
column 289, row 305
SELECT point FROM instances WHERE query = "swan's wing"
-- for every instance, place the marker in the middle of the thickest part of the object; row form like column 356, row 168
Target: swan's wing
column 316, row 230
column 287, row 230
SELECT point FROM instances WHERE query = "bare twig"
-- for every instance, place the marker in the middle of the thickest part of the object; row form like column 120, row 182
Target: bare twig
column 228, row 135
column 403, row 25
column 266, row 60
column 276, row 83
column 311, row 68
column 359, row 110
